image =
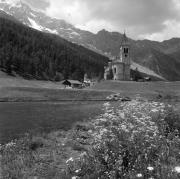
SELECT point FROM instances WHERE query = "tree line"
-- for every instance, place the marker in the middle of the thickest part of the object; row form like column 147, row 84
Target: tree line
column 33, row 54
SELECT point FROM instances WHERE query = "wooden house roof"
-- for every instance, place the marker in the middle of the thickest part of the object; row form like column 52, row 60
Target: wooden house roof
column 72, row 82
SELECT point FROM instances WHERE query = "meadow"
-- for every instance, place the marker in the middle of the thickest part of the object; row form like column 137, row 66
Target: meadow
column 120, row 139
column 133, row 139
column 28, row 106
column 150, row 90
column 18, row 118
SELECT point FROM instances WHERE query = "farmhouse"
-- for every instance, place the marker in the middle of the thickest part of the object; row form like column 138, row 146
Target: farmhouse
column 72, row 83
column 119, row 69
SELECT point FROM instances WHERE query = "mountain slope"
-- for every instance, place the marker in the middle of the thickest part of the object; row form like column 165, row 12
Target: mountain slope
column 44, row 56
column 163, row 58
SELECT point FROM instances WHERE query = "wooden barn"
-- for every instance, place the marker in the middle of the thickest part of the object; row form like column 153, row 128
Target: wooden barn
column 72, row 83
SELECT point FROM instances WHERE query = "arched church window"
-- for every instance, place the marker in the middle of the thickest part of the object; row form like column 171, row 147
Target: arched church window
column 115, row 70
column 126, row 50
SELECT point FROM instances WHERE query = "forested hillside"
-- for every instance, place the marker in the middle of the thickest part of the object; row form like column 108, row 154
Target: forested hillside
column 34, row 54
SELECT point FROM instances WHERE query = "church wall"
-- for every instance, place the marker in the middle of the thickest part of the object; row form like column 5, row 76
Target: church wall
column 119, row 72
column 127, row 72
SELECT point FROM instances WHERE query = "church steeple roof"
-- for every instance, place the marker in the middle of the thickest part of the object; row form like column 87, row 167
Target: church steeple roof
column 124, row 39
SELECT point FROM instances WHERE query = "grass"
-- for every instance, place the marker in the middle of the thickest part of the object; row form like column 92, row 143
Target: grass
column 149, row 90
column 134, row 139
column 43, row 94
column 17, row 81
column 129, row 140
column 19, row 89
column 19, row 118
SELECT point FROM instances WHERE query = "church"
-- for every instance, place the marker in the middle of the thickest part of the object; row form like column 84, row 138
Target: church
column 119, row 69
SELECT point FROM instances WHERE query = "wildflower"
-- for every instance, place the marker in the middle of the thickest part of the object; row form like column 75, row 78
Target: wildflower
column 102, row 131
column 123, row 127
column 139, row 175
column 177, row 169
column 70, row 159
column 154, row 110
column 78, row 170
column 90, row 131
column 150, row 168
column 74, row 177
column 106, row 104
column 10, row 144
column 122, row 115
column 102, row 119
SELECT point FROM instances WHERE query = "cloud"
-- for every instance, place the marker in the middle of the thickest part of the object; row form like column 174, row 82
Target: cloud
column 39, row 4
column 171, row 30
column 141, row 18
column 73, row 11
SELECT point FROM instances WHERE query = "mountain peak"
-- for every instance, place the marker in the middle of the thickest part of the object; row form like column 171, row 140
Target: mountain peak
column 103, row 31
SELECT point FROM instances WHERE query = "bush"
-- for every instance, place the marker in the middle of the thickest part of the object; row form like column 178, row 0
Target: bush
column 173, row 120
column 130, row 142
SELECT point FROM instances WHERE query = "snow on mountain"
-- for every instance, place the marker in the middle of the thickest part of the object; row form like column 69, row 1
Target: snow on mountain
column 35, row 25
column 32, row 14
column 51, row 31
column 75, row 33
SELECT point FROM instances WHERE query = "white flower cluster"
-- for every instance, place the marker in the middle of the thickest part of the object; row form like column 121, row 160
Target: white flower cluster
column 8, row 145
column 134, row 117
column 129, row 137
column 135, row 120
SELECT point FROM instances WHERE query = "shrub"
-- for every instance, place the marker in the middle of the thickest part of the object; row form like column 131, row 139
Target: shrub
column 173, row 120
column 130, row 142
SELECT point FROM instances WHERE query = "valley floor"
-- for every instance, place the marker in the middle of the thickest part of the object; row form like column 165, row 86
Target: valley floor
column 146, row 89
column 19, row 89
column 146, row 129
column 134, row 139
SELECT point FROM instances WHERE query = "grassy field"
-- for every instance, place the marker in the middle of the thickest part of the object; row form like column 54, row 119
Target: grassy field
column 134, row 139
column 43, row 105
column 19, row 118
column 18, row 81
column 169, row 91
column 150, row 90
column 19, row 89
column 44, row 94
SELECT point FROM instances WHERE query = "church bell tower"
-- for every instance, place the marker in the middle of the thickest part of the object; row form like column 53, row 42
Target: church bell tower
column 125, row 50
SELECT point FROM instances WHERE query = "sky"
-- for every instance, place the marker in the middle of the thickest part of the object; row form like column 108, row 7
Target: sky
column 141, row 19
